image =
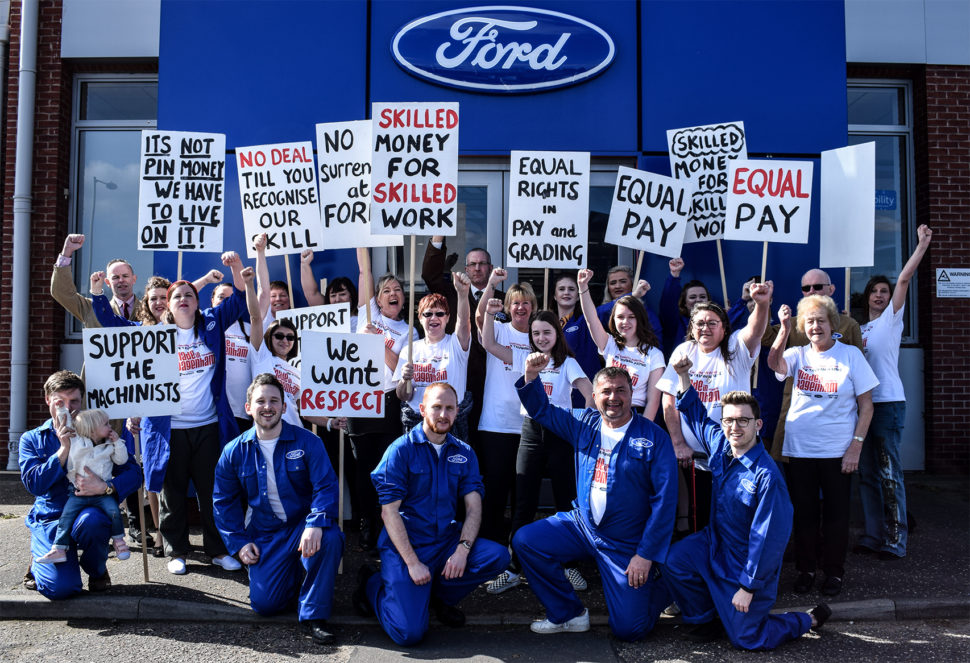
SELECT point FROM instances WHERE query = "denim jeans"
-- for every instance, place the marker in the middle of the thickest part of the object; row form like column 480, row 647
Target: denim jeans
column 881, row 481
column 75, row 504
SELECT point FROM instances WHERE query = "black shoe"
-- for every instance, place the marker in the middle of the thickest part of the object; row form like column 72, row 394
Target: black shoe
column 859, row 549
column 832, row 586
column 804, row 582
column 134, row 535
column 887, row 556
column 99, row 584
column 821, row 613
column 158, row 551
column 359, row 597
column 29, row 581
column 448, row 615
column 318, row 631
column 706, row 632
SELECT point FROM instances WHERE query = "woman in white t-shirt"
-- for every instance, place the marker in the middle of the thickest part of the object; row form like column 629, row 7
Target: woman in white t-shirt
column 831, row 407
column 438, row 357
column 541, row 452
column 880, row 467
column 272, row 353
column 630, row 344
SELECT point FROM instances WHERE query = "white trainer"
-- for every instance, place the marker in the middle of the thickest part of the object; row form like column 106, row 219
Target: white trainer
column 578, row 624
column 503, row 581
column 176, row 566
column 577, row 580
column 228, row 562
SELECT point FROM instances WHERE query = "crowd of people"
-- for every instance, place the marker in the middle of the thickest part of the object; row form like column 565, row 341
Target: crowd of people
column 674, row 468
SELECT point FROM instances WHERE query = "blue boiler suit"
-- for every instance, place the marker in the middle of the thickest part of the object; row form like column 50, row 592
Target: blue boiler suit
column 307, row 488
column 639, row 518
column 429, row 487
column 743, row 545
column 44, row 477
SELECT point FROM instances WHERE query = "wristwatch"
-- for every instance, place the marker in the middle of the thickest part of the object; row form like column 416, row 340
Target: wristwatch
column 466, row 543
column 109, row 488
column 858, row 438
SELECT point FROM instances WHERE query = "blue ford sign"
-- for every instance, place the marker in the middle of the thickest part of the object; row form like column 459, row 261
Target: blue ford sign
column 502, row 49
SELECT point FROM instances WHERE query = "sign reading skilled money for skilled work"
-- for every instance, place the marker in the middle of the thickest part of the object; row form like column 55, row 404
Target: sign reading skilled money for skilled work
column 702, row 154
column 344, row 167
column 327, row 317
column 769, row 201
column 278, row 191
column 548, row 210
column 415, row 178
column 182, row 179
column 134, row 371
column 650, row 212
column 342, row 375
column 847, row 210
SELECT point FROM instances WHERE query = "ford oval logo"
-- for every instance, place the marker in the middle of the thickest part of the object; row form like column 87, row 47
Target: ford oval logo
column 502, row 49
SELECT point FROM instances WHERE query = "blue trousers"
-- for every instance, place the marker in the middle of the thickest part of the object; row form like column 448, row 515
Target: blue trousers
column 702, row 595
column 545, row 545
column 881, row 481
column 75, row 503
column 90, row 533
column 282, row 574
column 402, row 607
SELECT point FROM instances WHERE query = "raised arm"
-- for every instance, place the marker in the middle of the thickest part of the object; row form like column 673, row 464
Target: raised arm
column 252, row 304
column 262, row 273
column 585, row 387
column 309, row 282
column 212, row 276
column 101, row 306
column 63, row 289
column 924, row 234
column 463, row 330
column 493, row 347
column 758, row 321
column 776, row 359
column 599, row 335
column 497, row 276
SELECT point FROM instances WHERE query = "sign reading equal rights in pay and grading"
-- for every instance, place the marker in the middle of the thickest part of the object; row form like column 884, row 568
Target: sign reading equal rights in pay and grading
column 548, row 210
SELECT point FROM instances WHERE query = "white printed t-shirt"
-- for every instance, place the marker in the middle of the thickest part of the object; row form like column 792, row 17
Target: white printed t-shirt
column 557, row 381
column 880, row 344
column 711, row 377
column 823, row 414
column 500, row 403
column 238, row 374
column 637, row 364
column 609, row 438
column 395, row 335
column 444, row 361
column 264, row 361
column 197, row 366
column 268, row 447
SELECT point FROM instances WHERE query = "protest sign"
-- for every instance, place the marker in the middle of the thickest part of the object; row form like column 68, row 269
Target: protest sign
column 415, row 175
column 848, row 207
column 327, row 317
column 132, row 371
column 769, row 201
column 548, row 210
column 278, row 190
column 182, row 179
column 344, row 158
column 342, row 375
column 650, row 212
column 702, row 154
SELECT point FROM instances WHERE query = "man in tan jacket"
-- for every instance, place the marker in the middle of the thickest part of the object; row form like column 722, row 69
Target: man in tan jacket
column 119, row 275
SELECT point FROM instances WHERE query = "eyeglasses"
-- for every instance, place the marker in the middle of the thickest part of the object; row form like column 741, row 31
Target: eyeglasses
column 284, row 337
column 710, row 324
column 481, row 263
column 437, row 314
column 815, row 286
column 740, row 421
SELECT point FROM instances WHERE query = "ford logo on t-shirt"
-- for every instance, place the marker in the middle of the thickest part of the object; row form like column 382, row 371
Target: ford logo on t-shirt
column 502, row 49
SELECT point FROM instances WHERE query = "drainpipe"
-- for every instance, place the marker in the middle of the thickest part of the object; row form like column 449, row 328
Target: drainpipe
column 22, row 199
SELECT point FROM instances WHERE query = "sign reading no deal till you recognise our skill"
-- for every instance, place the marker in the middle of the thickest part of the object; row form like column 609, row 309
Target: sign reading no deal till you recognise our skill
column 180, row 191
column 415, row 176
column 649, row 212
column 342, row 375
column 548, row 210
column 278, row 191
column 769, row 201
column 132, row 371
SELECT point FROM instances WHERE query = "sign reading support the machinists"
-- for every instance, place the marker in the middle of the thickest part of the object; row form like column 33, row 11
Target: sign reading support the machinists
column 548, row 210
column 180, row 191
column 415, row 177
column 650, row 212
column 342, row 375
column 326, row 317
column 132, row 371
column 702, row 154
column 278, row 191
column 769, row 201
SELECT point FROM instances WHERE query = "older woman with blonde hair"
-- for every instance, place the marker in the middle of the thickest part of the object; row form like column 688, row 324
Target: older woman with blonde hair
column 826, row 425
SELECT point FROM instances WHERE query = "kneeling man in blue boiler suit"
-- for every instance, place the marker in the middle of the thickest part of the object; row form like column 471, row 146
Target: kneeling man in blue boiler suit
column 290, row 540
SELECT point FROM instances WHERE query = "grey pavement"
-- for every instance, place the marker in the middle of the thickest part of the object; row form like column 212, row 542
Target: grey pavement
column 932, row 582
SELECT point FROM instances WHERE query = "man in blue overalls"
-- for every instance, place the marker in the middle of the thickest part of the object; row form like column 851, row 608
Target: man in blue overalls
column 43, row 460
column 730, row 568
column 428, row 560
column 626, row 496
column 290, row 541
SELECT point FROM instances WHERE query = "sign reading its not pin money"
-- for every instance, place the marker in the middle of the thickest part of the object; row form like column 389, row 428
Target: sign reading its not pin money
column 342, row 375
column 650, row 212
column 182, row 178
column 132, row 371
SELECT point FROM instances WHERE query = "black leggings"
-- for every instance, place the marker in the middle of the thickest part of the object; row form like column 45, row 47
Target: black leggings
column 497, row 457
column 806, row 476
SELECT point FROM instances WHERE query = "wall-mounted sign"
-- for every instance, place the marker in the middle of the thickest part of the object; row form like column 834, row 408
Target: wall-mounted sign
column 502, row 49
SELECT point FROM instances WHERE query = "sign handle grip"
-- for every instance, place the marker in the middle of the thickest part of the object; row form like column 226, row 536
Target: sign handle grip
column 178, row 270
column 848, row 289
column 365, row 270
column 636, row 272
column 340, row 500
column 411, row 305
column 141, row 505
column 289, row 279
column 545, row 289
column 764, row 261
column 720, row 264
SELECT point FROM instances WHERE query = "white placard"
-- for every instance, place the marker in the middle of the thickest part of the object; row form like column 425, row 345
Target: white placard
column 701, row 154
column 344, row 167
column 847, row 211
column 342, row 375
column 278, row 191
column 650, row 212
column 952, row 282
column 548, row 210
column 326, row 317
column 769, row 201
column 182, row 180
column 415, row 175
column 132, row 371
